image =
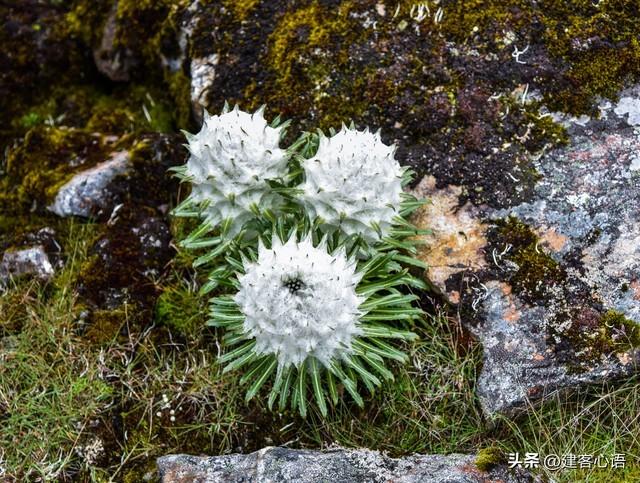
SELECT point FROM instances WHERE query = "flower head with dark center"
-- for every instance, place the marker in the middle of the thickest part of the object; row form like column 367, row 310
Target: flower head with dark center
column 299, row 301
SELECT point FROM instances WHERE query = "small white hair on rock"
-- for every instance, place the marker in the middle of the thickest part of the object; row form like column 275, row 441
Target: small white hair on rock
column 353, row 183
column 299, row 301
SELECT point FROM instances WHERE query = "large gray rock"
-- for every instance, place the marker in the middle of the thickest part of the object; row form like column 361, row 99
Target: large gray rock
column 550, row 286
column 335, row 466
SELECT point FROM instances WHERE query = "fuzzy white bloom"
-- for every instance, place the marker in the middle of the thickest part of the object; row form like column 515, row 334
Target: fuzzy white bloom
column 232, row 157
column 300, row 301
column 353, row 182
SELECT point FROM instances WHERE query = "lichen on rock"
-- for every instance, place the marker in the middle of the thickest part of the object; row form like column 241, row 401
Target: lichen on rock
column 553, row 303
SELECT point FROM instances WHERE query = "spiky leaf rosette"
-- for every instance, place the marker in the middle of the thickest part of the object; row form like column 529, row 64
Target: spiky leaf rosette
column 353, row 183
column 309, row 317
column 222, row 258
column 233, row 158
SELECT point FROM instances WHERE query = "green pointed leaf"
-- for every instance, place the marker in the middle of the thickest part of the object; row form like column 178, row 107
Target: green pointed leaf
column 301, row 387
column 414, row 262
column 256, row 368
column 201, row 243
column 386, row 332
column 266, row 371
column 364, row 374
column 388, row 315
column 235, row 263
column 241, row 361
column 186, row 206
column 209, row 286
column 348, row 383
column 372, row 287
column 221, row 318
column 315, row 374
column 331, row 385
column 377, row 365
column 388, row 300
column 381, row 349
column 226, row 225
column 225, row 300
column 396, row 232
column 228, row 326
column 231, row 339
column 235, row 353
column 206, row 258
column 403, row 245
column 403, row 222
column 417, row 283
column 361, row 350
column 284, row 392
column 281, row 375
column 375, row 263
column 196, row 234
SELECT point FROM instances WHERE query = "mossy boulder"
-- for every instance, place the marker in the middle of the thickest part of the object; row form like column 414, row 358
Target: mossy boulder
column 137, row 42
column 550, row 285
column 490, row 457
column 458, row 87
column 44, row 161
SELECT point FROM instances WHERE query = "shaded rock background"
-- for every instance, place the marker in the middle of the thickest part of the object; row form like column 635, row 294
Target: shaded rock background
column 494, row 104
column 338, row 465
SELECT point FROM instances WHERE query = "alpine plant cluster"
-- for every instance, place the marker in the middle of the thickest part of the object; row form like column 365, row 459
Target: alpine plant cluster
column 307, row 251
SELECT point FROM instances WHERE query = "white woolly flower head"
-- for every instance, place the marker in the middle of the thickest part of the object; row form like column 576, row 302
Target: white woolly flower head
column 354, row 182
column 299, row 301
column 232, row 157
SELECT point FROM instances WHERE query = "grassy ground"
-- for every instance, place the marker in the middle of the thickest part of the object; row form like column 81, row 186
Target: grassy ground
column 71, row 408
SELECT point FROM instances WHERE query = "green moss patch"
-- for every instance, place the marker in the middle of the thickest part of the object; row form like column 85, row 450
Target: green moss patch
column 308, row 45
column 595, row 335
column 106, row 325
column 182, row 310
column 241, row 8
column 594, row 44
column 489, row 457
column 537, row 272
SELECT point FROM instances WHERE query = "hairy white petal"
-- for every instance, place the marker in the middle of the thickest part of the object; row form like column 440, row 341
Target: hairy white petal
column 300, row 301
column 353, row 182
column 232, row 157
